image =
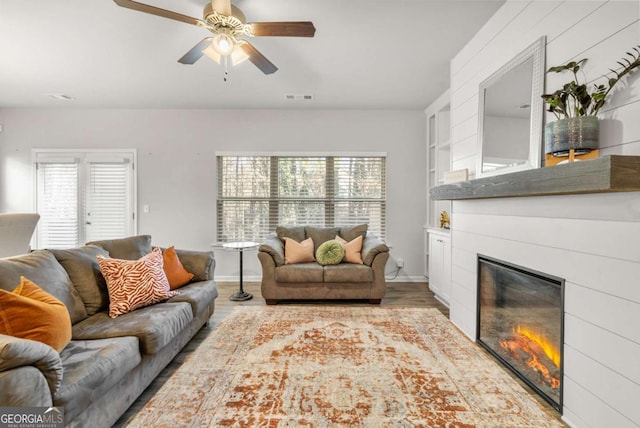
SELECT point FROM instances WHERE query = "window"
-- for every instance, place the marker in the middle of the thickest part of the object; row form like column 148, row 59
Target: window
column 83, row 196
column 256, row 193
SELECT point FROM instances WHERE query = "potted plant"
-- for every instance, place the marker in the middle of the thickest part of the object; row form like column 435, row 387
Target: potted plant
column 576, row 108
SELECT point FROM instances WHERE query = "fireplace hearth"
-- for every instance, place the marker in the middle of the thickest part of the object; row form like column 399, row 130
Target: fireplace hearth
column 520, row 323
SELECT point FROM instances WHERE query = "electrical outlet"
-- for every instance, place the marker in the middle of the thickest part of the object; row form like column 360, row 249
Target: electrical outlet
column 400, row 263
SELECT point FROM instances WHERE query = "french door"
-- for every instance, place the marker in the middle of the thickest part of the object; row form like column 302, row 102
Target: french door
column 84, row 196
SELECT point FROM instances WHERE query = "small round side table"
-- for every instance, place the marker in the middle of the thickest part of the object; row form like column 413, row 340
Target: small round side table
column 240, row 247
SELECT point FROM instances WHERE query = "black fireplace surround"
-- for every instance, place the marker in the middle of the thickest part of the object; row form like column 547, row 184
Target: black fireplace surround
column 521, row 323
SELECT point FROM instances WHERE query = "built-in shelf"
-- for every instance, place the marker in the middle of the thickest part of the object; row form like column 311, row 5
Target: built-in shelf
column 612, row 173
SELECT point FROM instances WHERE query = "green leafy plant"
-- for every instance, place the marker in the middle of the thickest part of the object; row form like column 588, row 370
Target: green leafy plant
column 574, row 99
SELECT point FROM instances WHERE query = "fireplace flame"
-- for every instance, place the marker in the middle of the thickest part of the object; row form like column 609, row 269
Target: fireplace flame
column 540, row 353
column 549, row 348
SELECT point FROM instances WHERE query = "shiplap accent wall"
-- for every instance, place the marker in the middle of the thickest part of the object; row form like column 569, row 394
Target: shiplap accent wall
column 592, row 241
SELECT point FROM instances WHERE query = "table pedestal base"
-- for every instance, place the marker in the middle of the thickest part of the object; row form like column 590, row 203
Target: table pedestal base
column 240, row 296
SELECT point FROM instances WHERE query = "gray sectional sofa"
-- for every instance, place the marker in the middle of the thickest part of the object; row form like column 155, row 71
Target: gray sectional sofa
column 109, row 361
column 311, row 281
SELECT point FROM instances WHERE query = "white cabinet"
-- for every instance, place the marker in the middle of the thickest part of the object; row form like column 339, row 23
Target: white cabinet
column 440, row 264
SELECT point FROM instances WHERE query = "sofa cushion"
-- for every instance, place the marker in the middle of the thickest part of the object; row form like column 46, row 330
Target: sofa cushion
column 177, row 275
column 347, row 272
column 131, row 248
column 199, row 295
column 82, row 267
column 134, row 284
column 320, row 235
column 301, row 273
column 293, row 232
column 352, row 249
column 349, row 233
column 155, row 326
column 42, row 268
column 330, row 253
column 93, row 367
column 31, row 313
column 298, row 252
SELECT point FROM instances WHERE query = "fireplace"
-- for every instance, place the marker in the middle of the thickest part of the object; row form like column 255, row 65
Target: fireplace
column 521, row 323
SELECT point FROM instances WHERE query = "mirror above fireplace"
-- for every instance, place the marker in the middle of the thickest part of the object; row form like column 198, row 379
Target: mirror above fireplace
column 511, row 113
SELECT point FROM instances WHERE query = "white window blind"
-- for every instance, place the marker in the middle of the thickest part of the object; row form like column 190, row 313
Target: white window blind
column 257, row 193
column 108, row 207
column 57, row 196
column 83, row 196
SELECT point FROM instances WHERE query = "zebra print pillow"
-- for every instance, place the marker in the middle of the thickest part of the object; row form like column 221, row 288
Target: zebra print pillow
column 133, row 284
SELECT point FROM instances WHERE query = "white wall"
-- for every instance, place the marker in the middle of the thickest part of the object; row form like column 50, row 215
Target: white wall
column 176, row 163
column 590, row 240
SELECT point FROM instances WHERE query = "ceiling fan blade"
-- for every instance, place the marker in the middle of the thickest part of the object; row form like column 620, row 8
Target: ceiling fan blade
column 223, row 7
column 196, row 52
column 141, row 7
column 283, row 29
column 258, row 59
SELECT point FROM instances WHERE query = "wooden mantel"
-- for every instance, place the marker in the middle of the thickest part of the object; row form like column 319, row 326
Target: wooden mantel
column 613, row 173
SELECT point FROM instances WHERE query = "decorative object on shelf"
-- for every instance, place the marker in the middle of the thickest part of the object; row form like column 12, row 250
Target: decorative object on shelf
column 456, row 176
column 575, row 134
column 445, row 221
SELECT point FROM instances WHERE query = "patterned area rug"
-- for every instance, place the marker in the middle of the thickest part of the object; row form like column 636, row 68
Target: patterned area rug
column 321, row 366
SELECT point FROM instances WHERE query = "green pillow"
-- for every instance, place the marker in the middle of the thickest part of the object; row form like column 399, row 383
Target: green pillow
column 330, row 253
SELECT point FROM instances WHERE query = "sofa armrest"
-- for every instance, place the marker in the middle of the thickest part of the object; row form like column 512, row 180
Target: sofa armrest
column 16, row 352
column 371, row 247
column 273, row 246
column 24, row 386
column 200, row 263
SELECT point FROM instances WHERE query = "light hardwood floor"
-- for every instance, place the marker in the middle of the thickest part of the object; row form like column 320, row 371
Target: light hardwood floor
column 406, row 294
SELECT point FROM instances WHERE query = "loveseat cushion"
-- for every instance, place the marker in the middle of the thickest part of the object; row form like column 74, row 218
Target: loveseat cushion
column 301, row 272
column 348, row 272
column 42, row 268
column 82, row 267
column 198, row 294
column 320, row 235
column 131, row 248
column 349, row 233
column 93, row 367
column 155, row 326
column 293, row 232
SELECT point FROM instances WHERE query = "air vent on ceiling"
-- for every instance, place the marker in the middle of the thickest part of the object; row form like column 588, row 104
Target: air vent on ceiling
column 298, row 97
column 63, row 97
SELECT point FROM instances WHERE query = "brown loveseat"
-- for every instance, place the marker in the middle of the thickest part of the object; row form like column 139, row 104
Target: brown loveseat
column 109, row 361
column 302, row 281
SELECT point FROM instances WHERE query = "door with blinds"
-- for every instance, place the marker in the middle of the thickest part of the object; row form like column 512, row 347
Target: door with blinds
column 84, row 196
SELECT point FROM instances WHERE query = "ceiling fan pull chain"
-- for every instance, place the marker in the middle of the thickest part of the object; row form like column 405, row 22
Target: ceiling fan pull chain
column 226, row 69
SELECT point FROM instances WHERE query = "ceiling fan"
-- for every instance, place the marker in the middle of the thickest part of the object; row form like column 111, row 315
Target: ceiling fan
column 228, row 24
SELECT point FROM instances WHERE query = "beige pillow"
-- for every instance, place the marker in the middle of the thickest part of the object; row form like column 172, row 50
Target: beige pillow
column 298, row 252
column 353, row 249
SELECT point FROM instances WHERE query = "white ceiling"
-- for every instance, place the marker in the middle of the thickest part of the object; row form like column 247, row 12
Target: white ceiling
column 366, row 54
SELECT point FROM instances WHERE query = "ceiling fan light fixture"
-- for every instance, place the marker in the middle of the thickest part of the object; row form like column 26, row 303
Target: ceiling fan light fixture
column 238, row 54
column 223, row 44
column 212, row 53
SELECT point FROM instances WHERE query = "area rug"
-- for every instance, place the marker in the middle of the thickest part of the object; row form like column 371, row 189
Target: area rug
column 328, row 366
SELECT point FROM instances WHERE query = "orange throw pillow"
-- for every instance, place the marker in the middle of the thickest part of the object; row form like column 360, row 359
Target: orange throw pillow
column 133, row 284
column 173, row 268
column 352, row 249
column 29, row 312
column 298, row 252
